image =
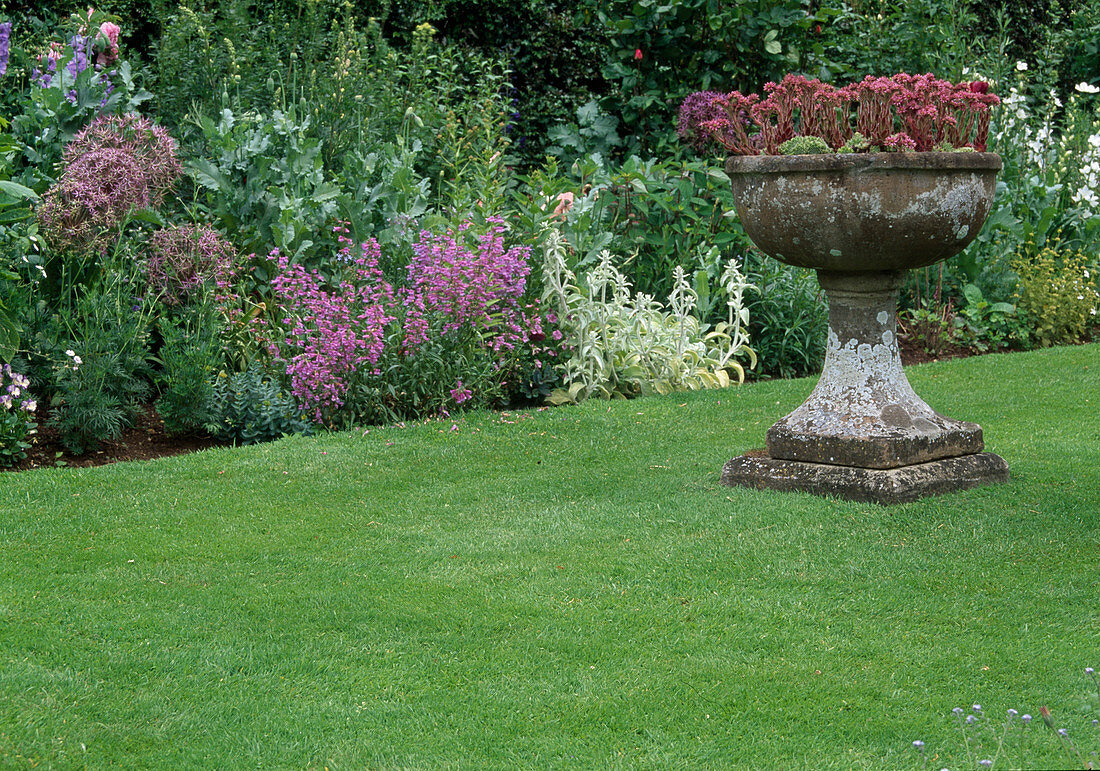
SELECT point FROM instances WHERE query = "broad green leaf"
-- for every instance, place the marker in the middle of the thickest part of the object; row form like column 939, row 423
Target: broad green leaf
column 17, row 191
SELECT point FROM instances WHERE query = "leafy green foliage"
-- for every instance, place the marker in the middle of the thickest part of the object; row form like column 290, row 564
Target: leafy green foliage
column 189, row 355
column 623, row 345
column 788, row 317
column 661, row 214
column 1058, row 292
column 96, row 399
column 251, row 407
column 658, row 53
column 915, row 36
column 53, row 109
column 931, row 327
column 265, row 181
column 985, row 325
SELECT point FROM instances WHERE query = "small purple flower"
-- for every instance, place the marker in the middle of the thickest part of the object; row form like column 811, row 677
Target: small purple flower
column 1089, row 670
column 918, row 744
column 958, row 710
column 79, row 62
column 1026, row 718
column 971, row 720
column 1012, row 713
column 977, row 707
column 5, row 45
column 985, row 763
column 1063, row 733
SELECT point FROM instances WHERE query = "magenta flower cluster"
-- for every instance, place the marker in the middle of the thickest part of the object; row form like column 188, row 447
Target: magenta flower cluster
column 331, row 332
column 116, row 165
column 899, row 113
column 182, row 259
column 478, row 286
column 464, row 288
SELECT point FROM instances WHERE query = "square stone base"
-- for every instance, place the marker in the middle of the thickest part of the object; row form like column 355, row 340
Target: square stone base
column 896, row 485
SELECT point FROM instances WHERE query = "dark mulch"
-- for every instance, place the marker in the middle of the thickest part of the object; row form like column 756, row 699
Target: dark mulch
column 912, row 353
column 148, row 439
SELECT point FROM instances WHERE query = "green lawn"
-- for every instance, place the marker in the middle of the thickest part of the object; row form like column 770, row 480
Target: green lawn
column 566, row 587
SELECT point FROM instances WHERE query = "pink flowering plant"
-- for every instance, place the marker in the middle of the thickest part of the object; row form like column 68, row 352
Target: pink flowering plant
column 903, row 113
column 358, row 349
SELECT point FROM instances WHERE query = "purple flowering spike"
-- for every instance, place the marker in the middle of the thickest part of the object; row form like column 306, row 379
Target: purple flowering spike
column 5, row 45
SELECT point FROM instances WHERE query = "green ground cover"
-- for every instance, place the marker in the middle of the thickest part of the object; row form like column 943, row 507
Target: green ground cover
column 567, row 587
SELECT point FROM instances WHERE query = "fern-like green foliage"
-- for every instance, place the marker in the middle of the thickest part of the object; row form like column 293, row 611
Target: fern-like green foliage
column 623, row 345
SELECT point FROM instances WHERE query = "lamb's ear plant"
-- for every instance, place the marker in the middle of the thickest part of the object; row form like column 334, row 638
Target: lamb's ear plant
column 622, row 345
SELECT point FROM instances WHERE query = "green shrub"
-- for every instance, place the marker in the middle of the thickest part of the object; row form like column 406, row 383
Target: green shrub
column 658, row 53
column 264, row 181
column 189, row 356
column 251, row 407
column 54, row 106
column 1057, row 291
column 788, row 317
column 988, row 325
column 661, row 214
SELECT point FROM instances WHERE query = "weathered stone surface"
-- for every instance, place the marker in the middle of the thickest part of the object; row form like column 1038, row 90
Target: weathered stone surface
column 861, row 221
column 863, row 212
column 863, row 411
column 883, row 486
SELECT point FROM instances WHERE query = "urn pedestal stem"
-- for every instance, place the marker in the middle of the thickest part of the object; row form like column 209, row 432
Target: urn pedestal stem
column 863, row 411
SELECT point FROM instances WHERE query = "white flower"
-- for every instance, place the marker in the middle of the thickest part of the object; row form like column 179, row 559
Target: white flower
column 70, row 353
column 1086, row 88
column 1021, row 66
column 77, row 360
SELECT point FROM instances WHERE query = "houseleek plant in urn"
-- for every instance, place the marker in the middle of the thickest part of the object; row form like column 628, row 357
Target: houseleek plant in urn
column 860, row 183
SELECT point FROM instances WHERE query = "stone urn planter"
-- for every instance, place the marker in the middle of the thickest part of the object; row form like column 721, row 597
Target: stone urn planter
column 861, row 221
